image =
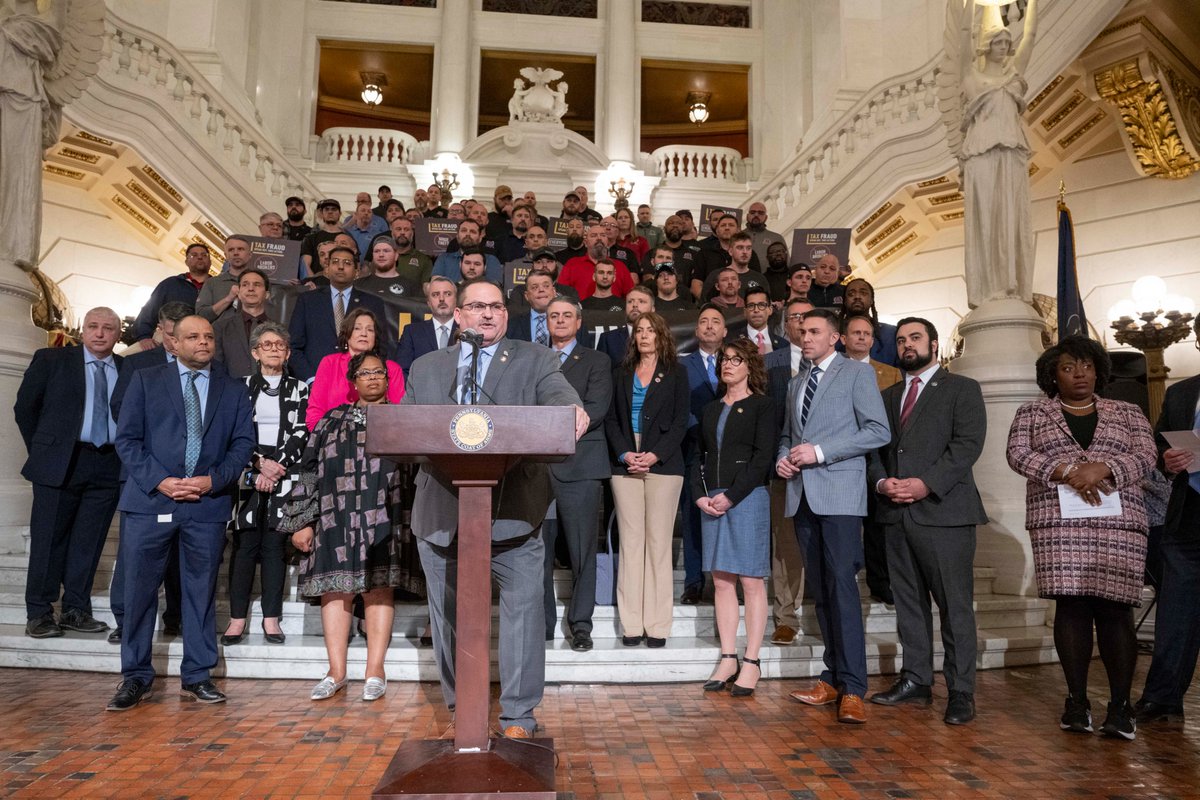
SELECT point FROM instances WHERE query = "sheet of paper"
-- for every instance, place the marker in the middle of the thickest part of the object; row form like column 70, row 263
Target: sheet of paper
column 1186, row 440
column 1072, row 505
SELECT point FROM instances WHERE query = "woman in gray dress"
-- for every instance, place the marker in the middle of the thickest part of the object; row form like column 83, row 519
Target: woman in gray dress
column 737, row 447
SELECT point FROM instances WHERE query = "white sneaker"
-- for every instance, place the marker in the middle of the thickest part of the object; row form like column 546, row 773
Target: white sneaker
column 373, row 689
column 327, row 688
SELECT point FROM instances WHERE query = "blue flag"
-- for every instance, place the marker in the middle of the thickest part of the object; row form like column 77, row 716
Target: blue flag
column 1071, row 317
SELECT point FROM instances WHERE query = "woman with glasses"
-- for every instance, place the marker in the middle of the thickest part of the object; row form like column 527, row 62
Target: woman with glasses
column 279, row 403
column 645, row 427
column 360, row 333
column 738, row 437
column 344, row 513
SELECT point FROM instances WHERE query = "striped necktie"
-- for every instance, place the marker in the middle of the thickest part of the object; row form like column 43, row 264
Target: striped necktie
column 195, row 425
column 810, row 389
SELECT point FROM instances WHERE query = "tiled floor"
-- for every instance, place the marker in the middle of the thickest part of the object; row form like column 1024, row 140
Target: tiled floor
column 635, row 741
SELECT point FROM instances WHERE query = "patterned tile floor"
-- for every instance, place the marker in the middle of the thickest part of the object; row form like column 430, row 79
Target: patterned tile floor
column 632, row 741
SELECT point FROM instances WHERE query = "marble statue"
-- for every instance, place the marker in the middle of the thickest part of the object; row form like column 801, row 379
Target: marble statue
column 538, row 102
column 982, row 92
column 46, row 60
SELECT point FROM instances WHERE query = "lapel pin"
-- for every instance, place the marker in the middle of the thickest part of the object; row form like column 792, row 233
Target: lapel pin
column 740, row 410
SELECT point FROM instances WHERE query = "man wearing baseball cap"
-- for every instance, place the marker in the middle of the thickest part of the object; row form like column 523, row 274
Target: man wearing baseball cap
column 329, row 219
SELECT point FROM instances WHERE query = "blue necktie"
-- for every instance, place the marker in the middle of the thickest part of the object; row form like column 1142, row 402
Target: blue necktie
column 100, row 405
column 710, row 366
column 810, row 389
column 541, row 336
column 1194, row 478
column 195, row 425
column 562, row 356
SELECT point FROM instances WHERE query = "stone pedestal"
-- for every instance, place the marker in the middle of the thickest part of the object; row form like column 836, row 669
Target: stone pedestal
column 1002, row 340
column 18, row 339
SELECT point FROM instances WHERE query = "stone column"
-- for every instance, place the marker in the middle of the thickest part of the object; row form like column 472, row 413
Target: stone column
column 622, row 73
column 19, row 338
column 452, row 79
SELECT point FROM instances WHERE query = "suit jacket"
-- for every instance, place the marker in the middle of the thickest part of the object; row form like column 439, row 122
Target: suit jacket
column 744, row 458
column 49, row 412
column 155, row 357
column 417, row 339
column 590, row 375
column 740, row 330
column 233, row 346
column 519, row 374
column 700, row 391
column 779, row 376
column 152, row 436
column 942, row 441
column 312, row 331
column 1178, row 414
column 613, row 344
column 519, row 330
column 663, row 423
column 847, row 420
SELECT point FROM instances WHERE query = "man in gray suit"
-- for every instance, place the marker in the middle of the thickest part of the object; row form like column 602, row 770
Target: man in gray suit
column 510, row 373
column 929, row 507
column 576, row 481
column 835, row 417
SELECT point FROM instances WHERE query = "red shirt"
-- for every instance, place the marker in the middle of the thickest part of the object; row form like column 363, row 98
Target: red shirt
column 637, row 244
column 579, row 273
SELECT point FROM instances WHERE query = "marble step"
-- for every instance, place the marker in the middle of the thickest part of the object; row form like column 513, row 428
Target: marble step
column 684, row 658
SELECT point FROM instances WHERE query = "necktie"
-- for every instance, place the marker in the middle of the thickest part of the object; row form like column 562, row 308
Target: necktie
column 910, row 400
column 339, row 311
column 100, row 405
column 541, row 336
column 1194, row 478
column 810, row 389
column 710, row 366
column 195, row 425
column 762, row 344
column 562, row 356
column 443, row 336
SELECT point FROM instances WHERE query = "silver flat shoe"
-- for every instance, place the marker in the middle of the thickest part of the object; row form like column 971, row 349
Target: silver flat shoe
column 327, row 688
column 373, row 689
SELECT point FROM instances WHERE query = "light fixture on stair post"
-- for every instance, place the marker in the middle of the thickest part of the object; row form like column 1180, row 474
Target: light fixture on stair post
column 373, row 83
column 1159, row 330
column 620, row 193
column 447, row 182
column 698, row 106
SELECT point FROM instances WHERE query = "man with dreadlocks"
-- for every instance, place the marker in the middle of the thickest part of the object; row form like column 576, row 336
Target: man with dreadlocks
column 860, row 300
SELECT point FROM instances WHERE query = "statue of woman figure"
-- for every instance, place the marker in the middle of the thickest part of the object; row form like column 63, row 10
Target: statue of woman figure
column 994, row 155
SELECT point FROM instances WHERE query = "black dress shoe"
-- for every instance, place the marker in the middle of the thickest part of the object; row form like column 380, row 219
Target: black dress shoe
column 114, row 636
column 1147, row 711
column 130, row 692
column 655, row 642
column 172, row 628
column 274, row 638
column 43, row 627
column 227, row 640
column 631, row 641
column 692, row 594
column 77, row 620
column 581, row 641
column 202, row 692
column 904, row 691
column 961, row 708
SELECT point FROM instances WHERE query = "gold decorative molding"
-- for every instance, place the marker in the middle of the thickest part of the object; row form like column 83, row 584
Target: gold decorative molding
column 943, row 199
column 1064, row 111
column 63, row 172
column 1149, row 120
column 93, row 138
column 951, row 216
column 1044, row 93
column 891, row 228
column 897, row 247
column 1073, row 136
column 140, row 193
column 150, row 173
column 79, row 155
column 934, row 182
column 123, row 204
column 879, row 212
column 216, row 233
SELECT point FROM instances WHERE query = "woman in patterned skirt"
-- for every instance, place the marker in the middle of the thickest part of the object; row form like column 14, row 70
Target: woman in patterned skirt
column 1077, row 450
column 345, row 514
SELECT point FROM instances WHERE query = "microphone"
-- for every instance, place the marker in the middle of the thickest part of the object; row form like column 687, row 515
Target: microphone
column 471, row 336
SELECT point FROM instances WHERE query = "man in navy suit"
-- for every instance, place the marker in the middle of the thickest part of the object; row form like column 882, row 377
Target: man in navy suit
column 315, row 320
column 638, row 301
column 532, row 325
column 185, row 435
column 425, row 336
column 62, row 411
column 757, row 327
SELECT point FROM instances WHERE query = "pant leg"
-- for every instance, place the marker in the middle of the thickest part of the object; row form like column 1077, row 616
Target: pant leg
column 662, row 503
column 580, row 528
column 841, row 540
column 51, row 517
column 272, row 573
column 1177, row 619
column 630, row 500
column 95, row 476
column 914, row 613
column 116, row 589
column 145, row 550
column 809, row 539
column 173, row 584
column 200, row 547
column 875, row 552
column 516, row 566
column 693, row 553
column 787, row 564
column 550, row 531
column 441, row 578
column 946, row 557
column 247, row 546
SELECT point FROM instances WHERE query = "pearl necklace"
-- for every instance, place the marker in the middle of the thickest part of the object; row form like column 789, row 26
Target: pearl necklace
column 1077, row 408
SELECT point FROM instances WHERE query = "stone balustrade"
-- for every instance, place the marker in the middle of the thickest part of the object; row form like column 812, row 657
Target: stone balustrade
column 369, row 146
column 696, row 162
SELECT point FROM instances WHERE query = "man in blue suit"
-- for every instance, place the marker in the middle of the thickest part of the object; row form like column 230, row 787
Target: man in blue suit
column 64, row 416
column 835, row 417
column 424, row 336
column 315, row 320
column 185, row 435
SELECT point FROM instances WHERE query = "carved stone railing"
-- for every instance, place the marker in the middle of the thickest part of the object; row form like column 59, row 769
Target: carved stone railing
column 696, row 162
column 369, row 146
column 147, row 94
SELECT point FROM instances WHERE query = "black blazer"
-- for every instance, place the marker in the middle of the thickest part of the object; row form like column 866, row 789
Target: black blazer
column 49, row 412
column 613, row 343
column 418, row 338
column 590, row 375
column 519, row 329
column 664, row 418
column 1178, row 414
column 312, row 332
column 743, row 460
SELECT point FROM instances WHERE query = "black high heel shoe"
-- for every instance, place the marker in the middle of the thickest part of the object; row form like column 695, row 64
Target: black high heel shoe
column 273, row 638
column 719, row 686
column 744, row 691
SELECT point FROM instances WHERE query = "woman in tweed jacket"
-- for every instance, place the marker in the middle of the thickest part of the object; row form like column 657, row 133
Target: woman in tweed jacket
column 1092, row 566
column 279, row 403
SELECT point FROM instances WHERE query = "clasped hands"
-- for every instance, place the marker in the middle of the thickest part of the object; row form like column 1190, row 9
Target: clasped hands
column 639, row 463
column 714, row 506
column 184, row 490
column 269, row 473
column 1086, row 478
column 802, row 455
column 903, row 490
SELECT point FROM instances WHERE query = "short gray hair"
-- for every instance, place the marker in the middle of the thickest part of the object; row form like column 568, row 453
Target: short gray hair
column 572, row 302
column 270, row 326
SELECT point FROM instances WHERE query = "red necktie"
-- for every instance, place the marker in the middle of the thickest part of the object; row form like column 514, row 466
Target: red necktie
column 762, row 345
column 910, row 400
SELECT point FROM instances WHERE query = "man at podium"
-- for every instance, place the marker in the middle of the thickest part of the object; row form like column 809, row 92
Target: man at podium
column 509, row 373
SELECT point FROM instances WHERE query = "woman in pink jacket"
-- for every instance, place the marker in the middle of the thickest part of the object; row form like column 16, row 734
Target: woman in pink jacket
column 330, row 389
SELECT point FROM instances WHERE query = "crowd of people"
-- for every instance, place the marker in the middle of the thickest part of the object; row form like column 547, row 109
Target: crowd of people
column 798, row 441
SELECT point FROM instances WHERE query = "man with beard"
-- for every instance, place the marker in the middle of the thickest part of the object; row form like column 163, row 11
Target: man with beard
column 571, row 206
column 721, row 254
column 756, row 226
column 684, row 254
column 500, row 219
column 602, row 298
column 448, row 264
column 511, row 246
column 575, row 246
column 530, row 199
column 386, row 281
column 757, row 327
column 930, row 507
column 329, row 219
column 411, row 264
column 777, row 271
column 859, row 298
column 647, row 229
column 640, row 300
column 690, row 234
column 424, row 336
column 471, row 266
column 741, row 261
column 579, row 272
column 296, row 228
column 727, row 296
column 826, row 290
column 487, row 241
column 799, row 281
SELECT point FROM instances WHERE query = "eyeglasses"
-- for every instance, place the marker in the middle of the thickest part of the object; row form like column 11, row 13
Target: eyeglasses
column 272, row 346
column 736, row 361
column 370, row 373
column 479, row 308
column 758, row 306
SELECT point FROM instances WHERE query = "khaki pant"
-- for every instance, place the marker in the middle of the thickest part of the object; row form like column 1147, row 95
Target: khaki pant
column 646, row 506
column 787, row 564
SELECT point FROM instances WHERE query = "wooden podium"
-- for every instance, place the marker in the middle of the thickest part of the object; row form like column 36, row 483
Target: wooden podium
column 473, row 446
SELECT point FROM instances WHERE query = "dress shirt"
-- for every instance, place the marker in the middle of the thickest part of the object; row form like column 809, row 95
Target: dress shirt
column 824, row 366
column 485, row 360
column 753, row 333
column 201, row 384
column 448, row 325
column 565, row 351
column 89, row 376
column 345, row 293
column 924, row 375
column 797, row 360
column 534, row 316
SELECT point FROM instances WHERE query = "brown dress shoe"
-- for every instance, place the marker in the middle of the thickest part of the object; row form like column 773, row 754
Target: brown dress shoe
column 516, row 732
column 821, row 694
column 784, row 634
column 851, row 710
